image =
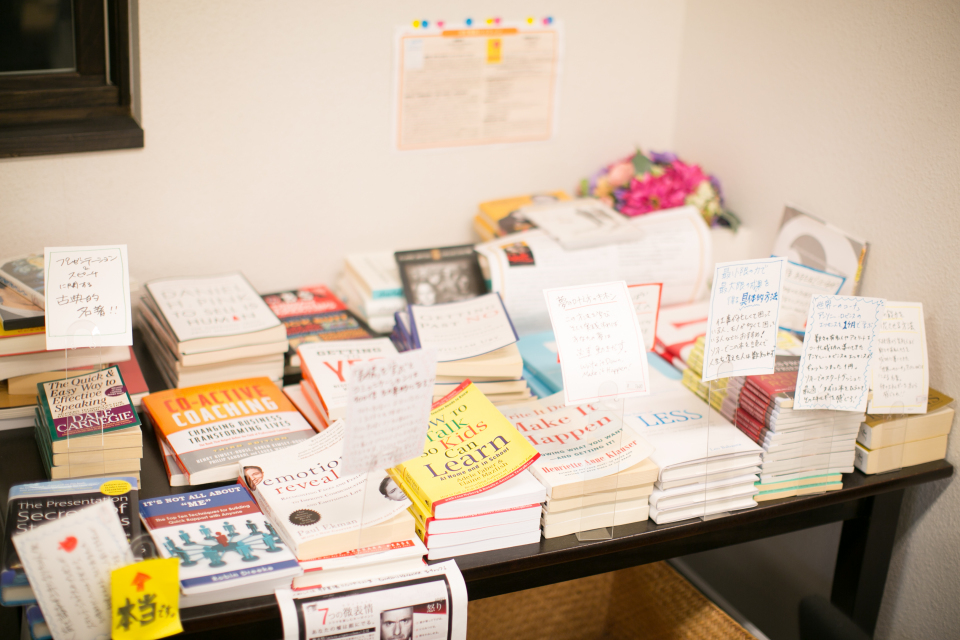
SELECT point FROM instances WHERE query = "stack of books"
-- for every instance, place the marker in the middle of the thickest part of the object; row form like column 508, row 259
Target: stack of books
column 889, row 442
column 707, row 466
column 541, row 363
column 87, row 426
column 502, row 217
column 30, row 505
column 470, row 491
column 474, row 340
column 318, row 511
column 597, row 473
column 313, row 314
column 804, row 451
column 207, row 330
column 324, row 366
column 227, row 549
column 678, row 327
column 370, row 286
column 205, row 430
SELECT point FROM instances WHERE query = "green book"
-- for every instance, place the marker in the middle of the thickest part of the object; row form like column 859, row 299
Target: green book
column 92, row 404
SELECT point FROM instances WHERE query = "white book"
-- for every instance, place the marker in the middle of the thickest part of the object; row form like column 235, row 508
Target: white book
column 675, row 422
column 842, row 459
column 714, row 507
column 582, row 222
column 376, row 272
column 463, row 329
column 503, row 363
column 481, row 520
column 557, row 505
column 325, row 364
column 381, row 554
column 698, row 494
column 328, row 577
column 749, row 470
column 490, row 544
column 215, row 312
column 519, row 491
column 363, row 304
column 30, row 363
column 800, row 436
column 595, row 511
column 299, row 400
column 316, row 510
column 582, row 450
column 457, row 538
column 567, row 527
column 789, row 476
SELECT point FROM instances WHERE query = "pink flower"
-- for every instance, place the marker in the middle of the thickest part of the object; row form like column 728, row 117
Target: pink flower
column 620, row 174
column 668, row 190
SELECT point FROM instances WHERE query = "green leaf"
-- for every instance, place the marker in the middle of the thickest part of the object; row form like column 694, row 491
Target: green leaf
column 641, row 163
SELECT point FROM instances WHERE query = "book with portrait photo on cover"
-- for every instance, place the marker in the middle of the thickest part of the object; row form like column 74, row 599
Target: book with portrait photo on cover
column 444, row 274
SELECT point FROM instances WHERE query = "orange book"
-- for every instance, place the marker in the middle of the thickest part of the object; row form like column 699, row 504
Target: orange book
column 211, row 427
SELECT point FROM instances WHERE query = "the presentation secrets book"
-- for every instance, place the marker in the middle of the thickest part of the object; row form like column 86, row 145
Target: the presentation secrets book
column 317, row 510
column 210, row 427
column 222, row 539
column 30, row 505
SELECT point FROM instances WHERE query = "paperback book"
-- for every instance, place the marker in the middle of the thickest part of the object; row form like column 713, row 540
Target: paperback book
column 445, row 274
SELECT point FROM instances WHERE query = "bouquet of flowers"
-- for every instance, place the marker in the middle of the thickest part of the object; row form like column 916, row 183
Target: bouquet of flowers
column 639, row 184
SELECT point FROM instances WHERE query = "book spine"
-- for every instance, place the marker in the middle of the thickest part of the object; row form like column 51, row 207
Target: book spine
column 33, row 296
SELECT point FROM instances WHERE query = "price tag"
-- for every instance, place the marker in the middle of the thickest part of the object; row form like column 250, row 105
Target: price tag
column 87, row 297
column 145, row 598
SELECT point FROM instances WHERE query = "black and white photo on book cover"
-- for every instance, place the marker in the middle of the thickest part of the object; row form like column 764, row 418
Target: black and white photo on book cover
column 435, row 276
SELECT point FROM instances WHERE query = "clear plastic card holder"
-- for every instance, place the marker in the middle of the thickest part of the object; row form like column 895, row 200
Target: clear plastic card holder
column 602, row 479
column 371, row 487
column 822, row 443
column 714, row 497
column 85, row 453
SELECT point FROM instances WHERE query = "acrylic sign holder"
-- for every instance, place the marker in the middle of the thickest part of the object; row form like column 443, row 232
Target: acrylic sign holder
column 84, row 338
column 711, row 474
column 600, row 510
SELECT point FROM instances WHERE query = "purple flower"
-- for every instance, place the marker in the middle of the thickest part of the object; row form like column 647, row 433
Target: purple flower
column 664, row 157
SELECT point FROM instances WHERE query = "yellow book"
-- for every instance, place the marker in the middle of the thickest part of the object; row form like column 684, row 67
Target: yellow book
column 502, row 215
column 470, row 448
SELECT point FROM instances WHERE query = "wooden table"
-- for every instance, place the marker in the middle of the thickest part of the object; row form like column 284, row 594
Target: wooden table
column 868, row 506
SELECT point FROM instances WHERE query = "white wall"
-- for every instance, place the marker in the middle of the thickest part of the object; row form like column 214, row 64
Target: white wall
column 850, row 110
column 268, row 137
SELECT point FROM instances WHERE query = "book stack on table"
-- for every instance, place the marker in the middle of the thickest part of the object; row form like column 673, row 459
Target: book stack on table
column 597, row 472
column 87, row 426
column 804, row 451
column 313, row 314
column 470, row 490
column 371, row 288
column 324, row 366
column 211, row 329
column 888, row 442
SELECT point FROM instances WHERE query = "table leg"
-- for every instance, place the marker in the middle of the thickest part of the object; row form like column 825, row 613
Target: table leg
column 866, row 545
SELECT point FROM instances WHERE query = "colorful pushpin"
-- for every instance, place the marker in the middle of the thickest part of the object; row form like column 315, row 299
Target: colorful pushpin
column 425, row 23
column 529, row 20
column 496, row 21
column 469, row 22
column 548, row 20
column 440, row 24
column 489, row 20
column 416, row 24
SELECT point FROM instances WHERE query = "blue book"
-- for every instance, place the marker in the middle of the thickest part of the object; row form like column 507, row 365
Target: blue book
column 539, row 352
column 538, row 388
column 223, row 541
column 38, row 626
column 30, row 505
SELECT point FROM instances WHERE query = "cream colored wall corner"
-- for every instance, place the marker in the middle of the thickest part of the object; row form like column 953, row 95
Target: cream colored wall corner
column 850, row 110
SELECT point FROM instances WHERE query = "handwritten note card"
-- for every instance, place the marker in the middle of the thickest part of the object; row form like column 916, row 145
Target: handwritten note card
column 800, row 283
column 601, row 349
column 68, row 563
column 463, row 329
column 837, row 348
column 742, row 329
column 900, row 375
column 87, row 297
column 388, row 410
column 145, row 599
column 646, row 304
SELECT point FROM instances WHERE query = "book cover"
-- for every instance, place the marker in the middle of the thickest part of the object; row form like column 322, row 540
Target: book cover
column 210, row 307
column 25, row 276
column 18, row 312
column 470, row 448
column 210, row 427
column 92, row 403
column 316, row 509
column 444, row 274
column 325, row 365
column 463, row 329
column 30, row 505
column 220, row 536
column 314, row 314
column 539, row 351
